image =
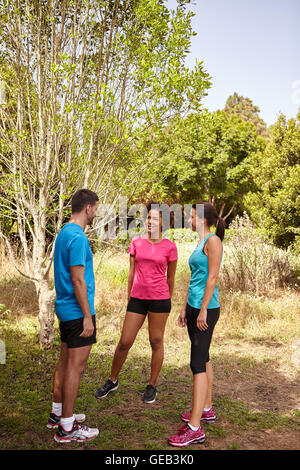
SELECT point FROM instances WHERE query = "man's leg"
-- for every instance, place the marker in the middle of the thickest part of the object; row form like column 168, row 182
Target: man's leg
column 59, row 374
column 58, row 380
column 76, row 362
column 69, row 428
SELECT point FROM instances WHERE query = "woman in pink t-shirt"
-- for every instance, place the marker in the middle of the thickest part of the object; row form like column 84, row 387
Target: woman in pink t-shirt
column 149, row 292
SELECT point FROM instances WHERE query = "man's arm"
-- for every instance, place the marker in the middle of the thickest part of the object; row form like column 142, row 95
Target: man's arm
column 80, row 290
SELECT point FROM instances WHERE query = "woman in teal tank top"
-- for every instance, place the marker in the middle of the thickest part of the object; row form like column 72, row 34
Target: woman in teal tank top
column 200, row 314
column 198, row 263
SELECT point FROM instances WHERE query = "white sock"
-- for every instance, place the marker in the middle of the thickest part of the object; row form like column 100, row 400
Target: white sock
column 193, row 428
column 67, row 423
column 207, row 409
column 57, row 408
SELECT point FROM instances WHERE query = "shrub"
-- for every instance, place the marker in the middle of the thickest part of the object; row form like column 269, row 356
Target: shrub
column 180, row 235
column 251, row 264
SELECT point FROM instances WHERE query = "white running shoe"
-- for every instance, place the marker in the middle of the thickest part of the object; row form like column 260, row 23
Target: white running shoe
column 79, row 433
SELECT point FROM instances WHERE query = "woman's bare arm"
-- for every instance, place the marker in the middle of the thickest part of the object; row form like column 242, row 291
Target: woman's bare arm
column 131, row 274
column 171, row 276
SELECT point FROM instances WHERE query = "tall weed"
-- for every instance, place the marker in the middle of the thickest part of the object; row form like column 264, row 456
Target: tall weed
column 252, row 265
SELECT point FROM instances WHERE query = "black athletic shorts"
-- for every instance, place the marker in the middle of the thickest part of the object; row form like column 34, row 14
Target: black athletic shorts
column 71, row 330
column 144, row 306
column 200, row 339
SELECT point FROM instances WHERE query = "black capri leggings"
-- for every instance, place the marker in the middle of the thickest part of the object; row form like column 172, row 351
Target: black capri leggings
column 200, row 339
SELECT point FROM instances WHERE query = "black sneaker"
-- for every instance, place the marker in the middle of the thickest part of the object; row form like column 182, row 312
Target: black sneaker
column 150, row 394
column 108, row 387
column 54, row 420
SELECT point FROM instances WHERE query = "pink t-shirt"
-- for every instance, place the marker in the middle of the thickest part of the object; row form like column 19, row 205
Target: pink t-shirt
column 151, row 262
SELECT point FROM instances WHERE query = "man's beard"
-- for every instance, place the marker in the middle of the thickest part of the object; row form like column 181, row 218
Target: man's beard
column 90, row 222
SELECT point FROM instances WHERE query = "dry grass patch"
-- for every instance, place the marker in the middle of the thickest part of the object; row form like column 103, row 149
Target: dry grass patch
column 256, row 374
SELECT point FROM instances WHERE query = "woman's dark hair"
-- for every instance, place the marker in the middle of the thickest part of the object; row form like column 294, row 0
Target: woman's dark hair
column 150, row 204
column 82, row 198
column 212, row 218
column 170, row 214
column 149, row 208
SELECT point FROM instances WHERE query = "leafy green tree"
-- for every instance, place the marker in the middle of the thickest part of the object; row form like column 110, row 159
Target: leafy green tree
column 204, row 156
column 247, row 111
column 275, row 204
column 87, row 83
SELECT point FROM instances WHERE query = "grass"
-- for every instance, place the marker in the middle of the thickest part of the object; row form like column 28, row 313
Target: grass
column 253, row 352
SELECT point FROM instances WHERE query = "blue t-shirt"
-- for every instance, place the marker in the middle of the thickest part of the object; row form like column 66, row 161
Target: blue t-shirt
column 198, row 263
column 72, row 248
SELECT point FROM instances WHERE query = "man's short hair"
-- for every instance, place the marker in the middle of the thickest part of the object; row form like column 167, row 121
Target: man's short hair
column 82, row 198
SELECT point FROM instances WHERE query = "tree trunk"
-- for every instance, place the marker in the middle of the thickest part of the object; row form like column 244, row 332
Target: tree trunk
column 228, row 213
column 46, row 299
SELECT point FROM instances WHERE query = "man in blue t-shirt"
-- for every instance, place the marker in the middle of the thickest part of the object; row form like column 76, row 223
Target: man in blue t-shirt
column 74, row 306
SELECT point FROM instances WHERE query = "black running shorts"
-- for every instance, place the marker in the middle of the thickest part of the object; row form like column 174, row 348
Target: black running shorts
column 200, row 339
column 71, row 330
column 143, row 306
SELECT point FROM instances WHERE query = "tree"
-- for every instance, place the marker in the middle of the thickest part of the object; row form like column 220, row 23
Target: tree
column 247, row 111
column 275, row 203
column 204, row 156
column 87, row 82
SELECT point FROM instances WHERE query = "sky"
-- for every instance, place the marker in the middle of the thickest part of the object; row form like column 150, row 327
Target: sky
column 251, row 47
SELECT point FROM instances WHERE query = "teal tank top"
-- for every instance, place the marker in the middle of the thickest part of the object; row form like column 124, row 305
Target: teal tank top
column 198, row 263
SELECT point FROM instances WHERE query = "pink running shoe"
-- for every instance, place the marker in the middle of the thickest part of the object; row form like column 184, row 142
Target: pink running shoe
column 186, row 436
column 207, row 416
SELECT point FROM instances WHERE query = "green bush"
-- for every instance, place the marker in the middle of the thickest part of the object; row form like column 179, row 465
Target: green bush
column 181, row 235
column 250, row 264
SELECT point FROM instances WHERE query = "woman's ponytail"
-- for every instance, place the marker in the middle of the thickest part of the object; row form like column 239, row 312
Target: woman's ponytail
column 220, row 228
column 212, row 218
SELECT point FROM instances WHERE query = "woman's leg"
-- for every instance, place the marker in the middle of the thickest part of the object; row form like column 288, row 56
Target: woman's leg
column 157, row 323
column 131, row 326
column 200, row 388
column 210, row 380
column 202, row 370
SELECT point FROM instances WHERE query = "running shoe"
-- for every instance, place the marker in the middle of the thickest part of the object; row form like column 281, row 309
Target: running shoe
column 54, row 420
column 79, row 433
column 207, row 416
column 149, row 394
column 108, row 387
column 186, row 436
